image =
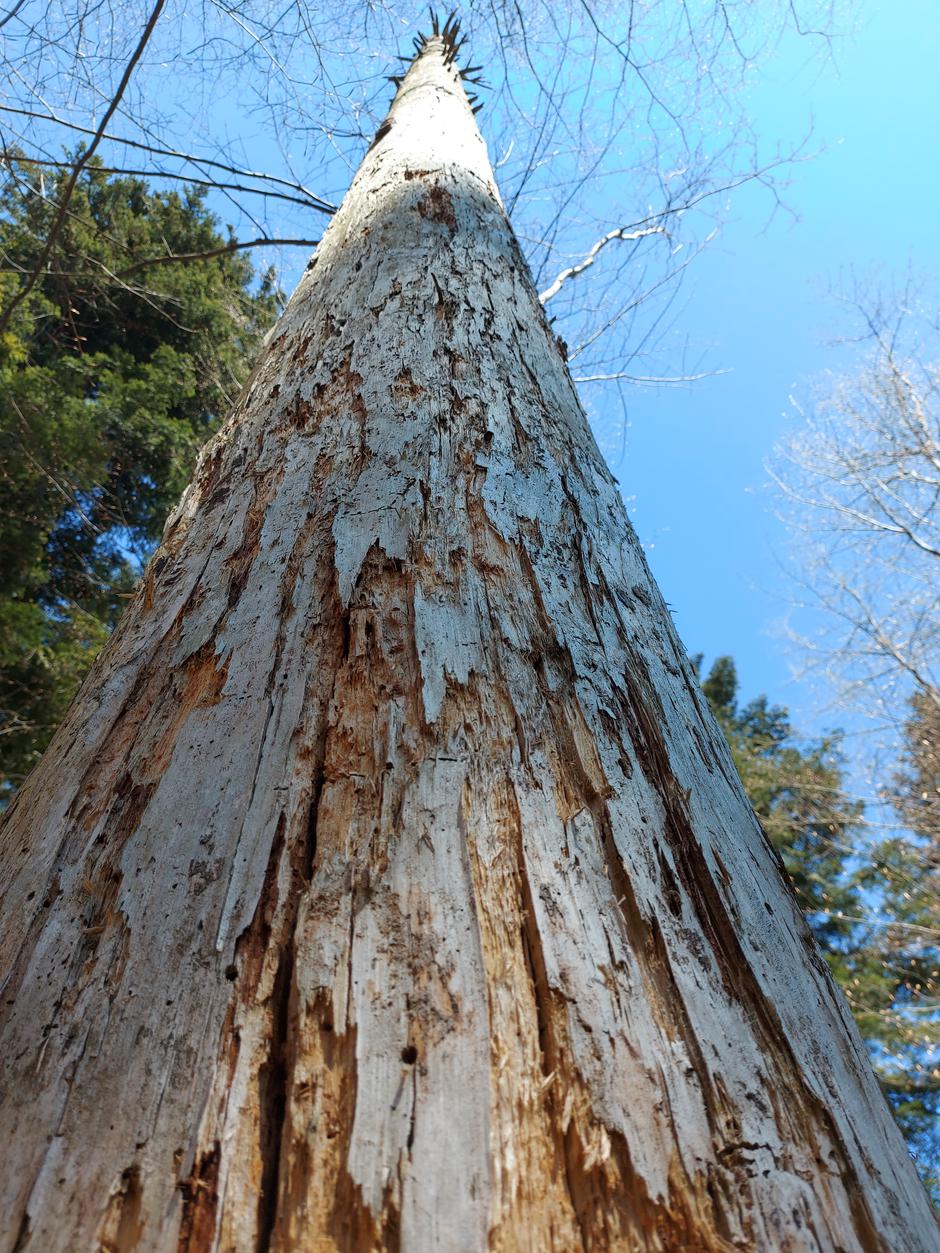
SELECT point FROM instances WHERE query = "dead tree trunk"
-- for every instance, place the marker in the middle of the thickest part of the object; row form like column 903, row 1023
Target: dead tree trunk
column 389, row 884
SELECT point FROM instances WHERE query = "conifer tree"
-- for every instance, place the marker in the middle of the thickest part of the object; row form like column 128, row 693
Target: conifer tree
column 113, row 373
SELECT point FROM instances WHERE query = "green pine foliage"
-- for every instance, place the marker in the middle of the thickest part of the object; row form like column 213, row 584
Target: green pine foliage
column 796, row 790
column 872, row 905
column 917, row 796
column 110, row 382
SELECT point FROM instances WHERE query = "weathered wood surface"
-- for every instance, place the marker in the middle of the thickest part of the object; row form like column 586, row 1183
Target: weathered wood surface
column 389, row 884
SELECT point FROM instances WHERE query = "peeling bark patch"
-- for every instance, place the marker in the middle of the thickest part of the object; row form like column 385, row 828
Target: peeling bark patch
column 199, row 687
column 240, row 563
column 99, row 914
column 252, row 945
column 670, row 887
column 200, row 1202
column 405, row 387
column 339, row 395
column 123, row 1224
column 130, row 804
column 299, row 413
column 310, row 844
column 261, row 1036
column 351, row 1223
column 320, row 1202
column 212, row 486
column 437, row 205
column 610, row 1199
column 301, row 348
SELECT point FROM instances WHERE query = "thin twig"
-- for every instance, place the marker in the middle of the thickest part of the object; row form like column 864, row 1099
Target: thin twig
column 234, row 246
column 80, row 164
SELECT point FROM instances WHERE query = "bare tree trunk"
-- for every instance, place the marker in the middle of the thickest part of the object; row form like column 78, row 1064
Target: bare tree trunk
column 389, row 884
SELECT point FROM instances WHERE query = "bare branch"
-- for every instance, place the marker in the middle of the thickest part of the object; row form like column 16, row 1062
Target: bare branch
column 666, row 380
column 234, row 246
column 620, row 232
column 860, row 485
column 8, row 156
column 308, row 197
column 80, row 164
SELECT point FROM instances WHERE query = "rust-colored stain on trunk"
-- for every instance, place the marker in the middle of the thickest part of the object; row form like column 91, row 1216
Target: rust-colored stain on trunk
column 437, row 205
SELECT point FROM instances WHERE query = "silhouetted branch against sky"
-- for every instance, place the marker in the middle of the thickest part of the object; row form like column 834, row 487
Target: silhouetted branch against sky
column 81, row 161
column 597, row 115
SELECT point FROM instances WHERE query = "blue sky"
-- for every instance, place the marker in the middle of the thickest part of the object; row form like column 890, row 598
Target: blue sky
column 757, row 304
column 754, row 304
